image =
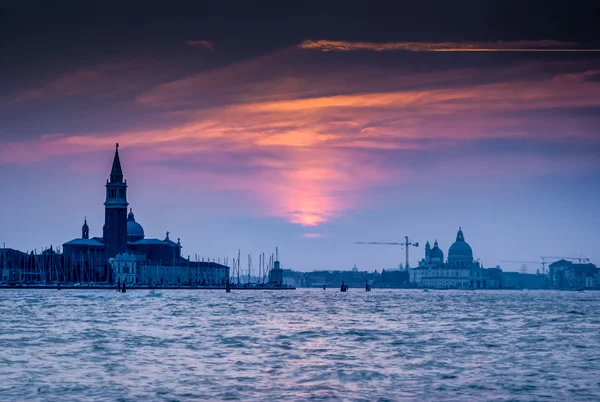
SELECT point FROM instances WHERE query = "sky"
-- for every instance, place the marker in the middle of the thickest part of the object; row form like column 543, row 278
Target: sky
column 307, row 126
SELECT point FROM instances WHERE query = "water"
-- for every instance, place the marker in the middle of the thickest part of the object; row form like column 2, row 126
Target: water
column 74, row 345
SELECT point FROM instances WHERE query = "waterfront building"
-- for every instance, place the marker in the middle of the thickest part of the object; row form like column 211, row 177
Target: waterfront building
column 7, row 275
column 18, row 266
column 517, row 280
column 186, row 273
column 392, row 278
column 10, row 271
column 125, row 268
column 124, row 246
column 388, row 278
column 592, row 281
column 276, row 274
column 460, row 271
column 493, row 277
column 294, row 279
column 568, row 275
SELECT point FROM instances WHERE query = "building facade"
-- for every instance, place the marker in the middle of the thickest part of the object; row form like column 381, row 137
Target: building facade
column 459, row 271
column 568, row 275
column 190, row 274
column 125, row 268
column 276, row 275
column 517, row 280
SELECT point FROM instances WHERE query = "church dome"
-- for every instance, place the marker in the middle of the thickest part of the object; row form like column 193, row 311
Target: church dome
column 460, row 249
column 436, row 252
column 135, row 231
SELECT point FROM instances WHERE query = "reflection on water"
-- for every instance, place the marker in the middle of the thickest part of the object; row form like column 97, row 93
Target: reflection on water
column 303, row 344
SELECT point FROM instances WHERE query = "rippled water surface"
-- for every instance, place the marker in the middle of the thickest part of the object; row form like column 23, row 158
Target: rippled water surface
column 298, row 345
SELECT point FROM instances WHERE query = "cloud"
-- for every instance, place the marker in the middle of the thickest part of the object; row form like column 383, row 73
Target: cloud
column 313, row 235
column 105, row 80
column 592, row 75
column 203, row 43
column 308, row 142
column 499, row 46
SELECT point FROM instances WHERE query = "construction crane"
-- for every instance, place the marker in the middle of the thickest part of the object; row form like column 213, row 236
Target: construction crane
column 406, row 244
column 543, row 262
column 581, row 259
column 531, row 262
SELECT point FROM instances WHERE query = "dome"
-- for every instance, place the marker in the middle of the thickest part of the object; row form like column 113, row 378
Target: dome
column 135, row 231
column 460, row 250
column 436, row 252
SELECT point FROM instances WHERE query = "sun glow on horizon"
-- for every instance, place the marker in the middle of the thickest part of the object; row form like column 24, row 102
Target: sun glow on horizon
column 307, row 155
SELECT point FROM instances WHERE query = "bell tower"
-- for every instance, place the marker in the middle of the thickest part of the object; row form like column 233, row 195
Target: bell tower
column 114, row 231
column 85, row 230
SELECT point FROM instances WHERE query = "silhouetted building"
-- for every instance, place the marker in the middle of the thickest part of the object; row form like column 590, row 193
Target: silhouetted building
column 120, row 233
column 293, row 278
column 276, row 274
column 17, row 266
column 568, row 275
column 393, row 278
column 460, row 271
column 517, row 280
column 124, row 237
column 388, row 278
column 114, row 232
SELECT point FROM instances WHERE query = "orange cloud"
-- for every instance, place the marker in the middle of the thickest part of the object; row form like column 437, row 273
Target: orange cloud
column 307, row 147
column 499, row 46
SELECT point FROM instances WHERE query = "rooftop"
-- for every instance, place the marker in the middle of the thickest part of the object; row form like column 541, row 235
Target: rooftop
column 84, row 242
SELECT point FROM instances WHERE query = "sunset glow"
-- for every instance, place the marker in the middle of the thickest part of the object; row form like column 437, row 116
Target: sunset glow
column 314, row 133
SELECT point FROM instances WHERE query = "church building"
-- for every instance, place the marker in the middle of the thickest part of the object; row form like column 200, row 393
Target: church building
column 123, row 237
column 460, row 271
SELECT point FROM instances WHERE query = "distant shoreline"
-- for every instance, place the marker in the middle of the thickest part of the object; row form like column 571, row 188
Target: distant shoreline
column 114, row 288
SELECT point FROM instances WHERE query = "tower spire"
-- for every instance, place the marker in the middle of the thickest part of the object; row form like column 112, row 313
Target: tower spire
column 115, row 220
column 116, row 173
column 85, row 229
